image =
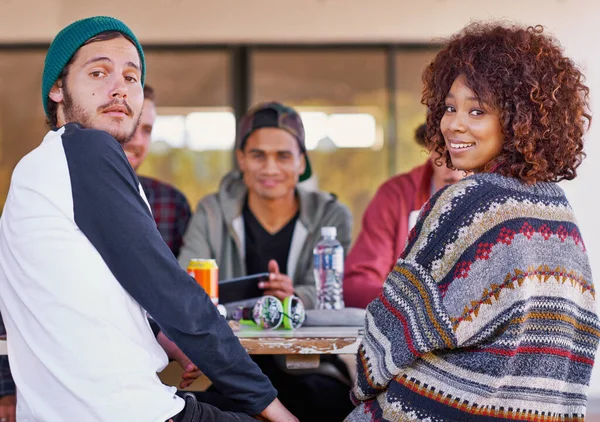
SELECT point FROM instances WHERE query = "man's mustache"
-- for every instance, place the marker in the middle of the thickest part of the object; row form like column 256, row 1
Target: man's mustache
column 114, row 103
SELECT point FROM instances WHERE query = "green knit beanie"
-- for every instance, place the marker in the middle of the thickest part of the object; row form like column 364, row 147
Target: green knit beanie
column 71, row 38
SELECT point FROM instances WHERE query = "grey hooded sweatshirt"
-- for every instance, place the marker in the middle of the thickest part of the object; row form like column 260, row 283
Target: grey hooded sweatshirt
column 216, row 231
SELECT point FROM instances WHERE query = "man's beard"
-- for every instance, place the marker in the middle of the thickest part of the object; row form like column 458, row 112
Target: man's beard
column 74, row 113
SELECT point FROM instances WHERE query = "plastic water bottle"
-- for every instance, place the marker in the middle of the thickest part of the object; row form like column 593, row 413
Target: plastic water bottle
column 329, row 270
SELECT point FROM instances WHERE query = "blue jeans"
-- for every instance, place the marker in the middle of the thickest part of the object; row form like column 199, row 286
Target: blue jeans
column 195, row 411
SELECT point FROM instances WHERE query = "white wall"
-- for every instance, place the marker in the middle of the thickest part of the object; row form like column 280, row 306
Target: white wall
column 575, row 23
column 285, row 20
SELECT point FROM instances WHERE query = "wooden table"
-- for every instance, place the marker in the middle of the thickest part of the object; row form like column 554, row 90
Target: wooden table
column 302, row 347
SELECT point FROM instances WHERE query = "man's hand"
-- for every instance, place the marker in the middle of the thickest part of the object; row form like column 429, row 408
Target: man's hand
column 174, row 352
column 8, row 408
column 276, row 412
column 279, row 285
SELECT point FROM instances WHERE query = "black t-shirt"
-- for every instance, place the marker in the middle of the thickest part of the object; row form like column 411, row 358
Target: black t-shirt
column 262, row 246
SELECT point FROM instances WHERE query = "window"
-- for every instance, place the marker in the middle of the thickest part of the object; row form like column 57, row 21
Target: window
column 341, row 130
column 195, row 129
column 410, row 113
column 22, row 118
column 192, row 137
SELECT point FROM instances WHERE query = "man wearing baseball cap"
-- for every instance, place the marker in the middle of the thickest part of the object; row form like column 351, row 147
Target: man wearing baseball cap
column 81, row 261
column 261, row 221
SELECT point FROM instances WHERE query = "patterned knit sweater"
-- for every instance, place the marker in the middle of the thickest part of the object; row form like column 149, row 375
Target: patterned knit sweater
column 489, row 314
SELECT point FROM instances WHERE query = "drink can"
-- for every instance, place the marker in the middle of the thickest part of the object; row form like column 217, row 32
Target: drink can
column 206, row 273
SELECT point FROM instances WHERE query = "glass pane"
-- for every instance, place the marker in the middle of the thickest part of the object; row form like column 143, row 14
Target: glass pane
column 22, row 118
column 195, row 128
column 410, row 112
column 341, row 96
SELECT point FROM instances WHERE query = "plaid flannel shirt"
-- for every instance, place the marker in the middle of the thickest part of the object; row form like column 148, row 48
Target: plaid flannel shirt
column 7, row 385
column 170, row 209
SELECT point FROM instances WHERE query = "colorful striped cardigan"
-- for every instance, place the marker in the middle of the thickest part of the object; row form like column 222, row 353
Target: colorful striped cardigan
column 489, row 314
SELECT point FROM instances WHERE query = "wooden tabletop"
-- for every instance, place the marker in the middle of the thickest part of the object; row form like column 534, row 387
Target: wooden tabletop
column 302, row 347
column 304, row 341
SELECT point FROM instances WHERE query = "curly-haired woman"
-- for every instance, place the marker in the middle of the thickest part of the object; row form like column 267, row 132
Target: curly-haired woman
column 489, row 313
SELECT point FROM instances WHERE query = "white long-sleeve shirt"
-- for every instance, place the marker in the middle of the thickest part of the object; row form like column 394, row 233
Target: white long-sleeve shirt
column 81, row 261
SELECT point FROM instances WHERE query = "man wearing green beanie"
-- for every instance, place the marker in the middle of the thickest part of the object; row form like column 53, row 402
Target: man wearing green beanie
column 82, row 262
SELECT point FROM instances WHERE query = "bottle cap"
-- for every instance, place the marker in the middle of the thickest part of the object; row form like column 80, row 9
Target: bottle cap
column 329, row 231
